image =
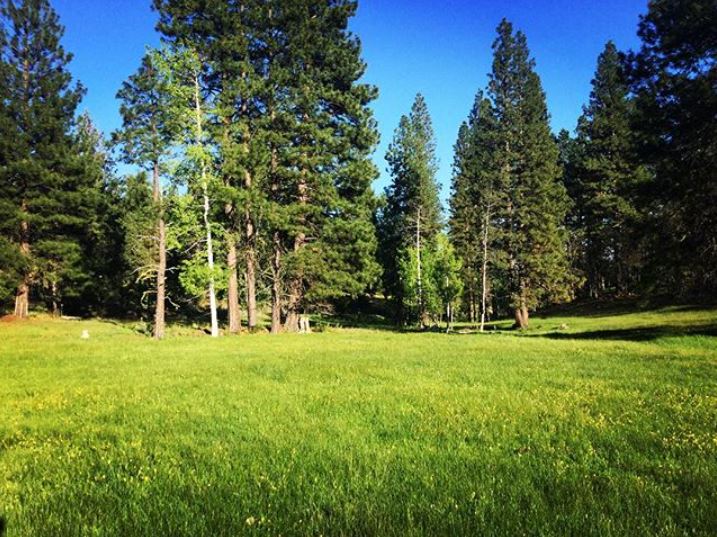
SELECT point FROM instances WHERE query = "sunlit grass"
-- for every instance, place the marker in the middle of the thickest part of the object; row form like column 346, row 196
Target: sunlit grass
column 595, row 425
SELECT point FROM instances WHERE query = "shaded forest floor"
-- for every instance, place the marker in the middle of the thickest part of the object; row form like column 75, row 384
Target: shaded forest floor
column 598, row 423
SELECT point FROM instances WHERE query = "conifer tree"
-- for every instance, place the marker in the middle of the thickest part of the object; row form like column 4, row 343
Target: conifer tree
column 44, row 199
column 326, row 170
column 607, row 180
column 230, row 38
column 673, row 79
column 533, row 235
column 412, row 215
column 476, row 199
column 145, row 140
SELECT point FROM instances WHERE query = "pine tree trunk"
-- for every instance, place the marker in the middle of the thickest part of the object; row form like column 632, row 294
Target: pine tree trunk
column 294, row 298
column 22, row 295
column 295, row 295
column 233, row 290
column 22, row 300
column 250, row 258
column 276, row 286
column 162, row 256
column 484, row 271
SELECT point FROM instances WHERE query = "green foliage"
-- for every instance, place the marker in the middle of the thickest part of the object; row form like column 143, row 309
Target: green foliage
column 436, row 287
column 476, row 199
column 50, row 179
column 446, row 273
column 412, row 209
column 607, row 177
column 673, row 79
column 532, row 235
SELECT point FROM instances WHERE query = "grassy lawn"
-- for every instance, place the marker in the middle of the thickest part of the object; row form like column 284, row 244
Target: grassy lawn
column 606, row 426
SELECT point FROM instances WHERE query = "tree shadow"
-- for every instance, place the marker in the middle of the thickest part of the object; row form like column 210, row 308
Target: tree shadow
column 642, row 333
column 613, row 307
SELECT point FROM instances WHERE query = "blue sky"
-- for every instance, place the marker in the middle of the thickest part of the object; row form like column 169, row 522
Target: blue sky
column 440, row 48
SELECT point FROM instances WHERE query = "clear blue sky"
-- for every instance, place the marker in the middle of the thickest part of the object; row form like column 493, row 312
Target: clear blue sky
column 440, row 48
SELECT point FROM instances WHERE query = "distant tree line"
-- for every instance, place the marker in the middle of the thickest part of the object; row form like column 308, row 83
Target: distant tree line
column 250, row 135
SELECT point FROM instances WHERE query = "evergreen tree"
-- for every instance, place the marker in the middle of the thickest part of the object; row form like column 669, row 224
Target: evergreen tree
column 44, row 200
column 412, row 214
column 231, row 39
column 138, row 224
column 476, row 199
column 327, row 172
column 462, row 220
column 103, row 238
column 145, row 140
column 673, row 78
column 532, row 230
column 607, row 179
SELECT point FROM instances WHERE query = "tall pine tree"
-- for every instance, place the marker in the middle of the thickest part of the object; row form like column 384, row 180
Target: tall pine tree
column 412, row 214
column 145, row 140
column 45, row 199
column 532, row 231
column 607, row 178
column 475, row 200
column 673, row 77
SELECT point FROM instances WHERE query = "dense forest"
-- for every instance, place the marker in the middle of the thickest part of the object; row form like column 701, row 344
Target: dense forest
column 250, row 135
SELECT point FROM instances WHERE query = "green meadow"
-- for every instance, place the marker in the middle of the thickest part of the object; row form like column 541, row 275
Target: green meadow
column 602, row 424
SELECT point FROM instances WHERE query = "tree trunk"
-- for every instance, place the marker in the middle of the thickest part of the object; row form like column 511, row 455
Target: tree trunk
column 250, row 276
column 22, row 295
column 22, row 300
column 210, row 260
column 162, row 256
column 207, row 225
column 56, row 306
column 293, row 305
column 233, row 290
column 484, row 271
column 522, row 317
column 276, row 286
column 296, row 291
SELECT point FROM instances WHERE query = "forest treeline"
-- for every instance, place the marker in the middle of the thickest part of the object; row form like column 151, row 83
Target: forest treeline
column 250, row 134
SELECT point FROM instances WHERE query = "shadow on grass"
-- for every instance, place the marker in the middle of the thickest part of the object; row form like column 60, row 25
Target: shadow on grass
column 616, row 307
column 642, row 333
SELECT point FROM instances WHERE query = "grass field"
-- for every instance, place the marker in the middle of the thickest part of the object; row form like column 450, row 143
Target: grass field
column 605, row 427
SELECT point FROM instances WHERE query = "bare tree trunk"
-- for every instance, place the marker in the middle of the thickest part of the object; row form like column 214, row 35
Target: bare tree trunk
column 294, row 297
column 56, row 306
column 296, row 291
column 233, row 289
column 421, row 307
column 250, row 271
column 162, row 256
column 22, row 295
column 484, row 271
column 276, row 286
column 207, row 224
column 22, row 300
column 210, row 260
